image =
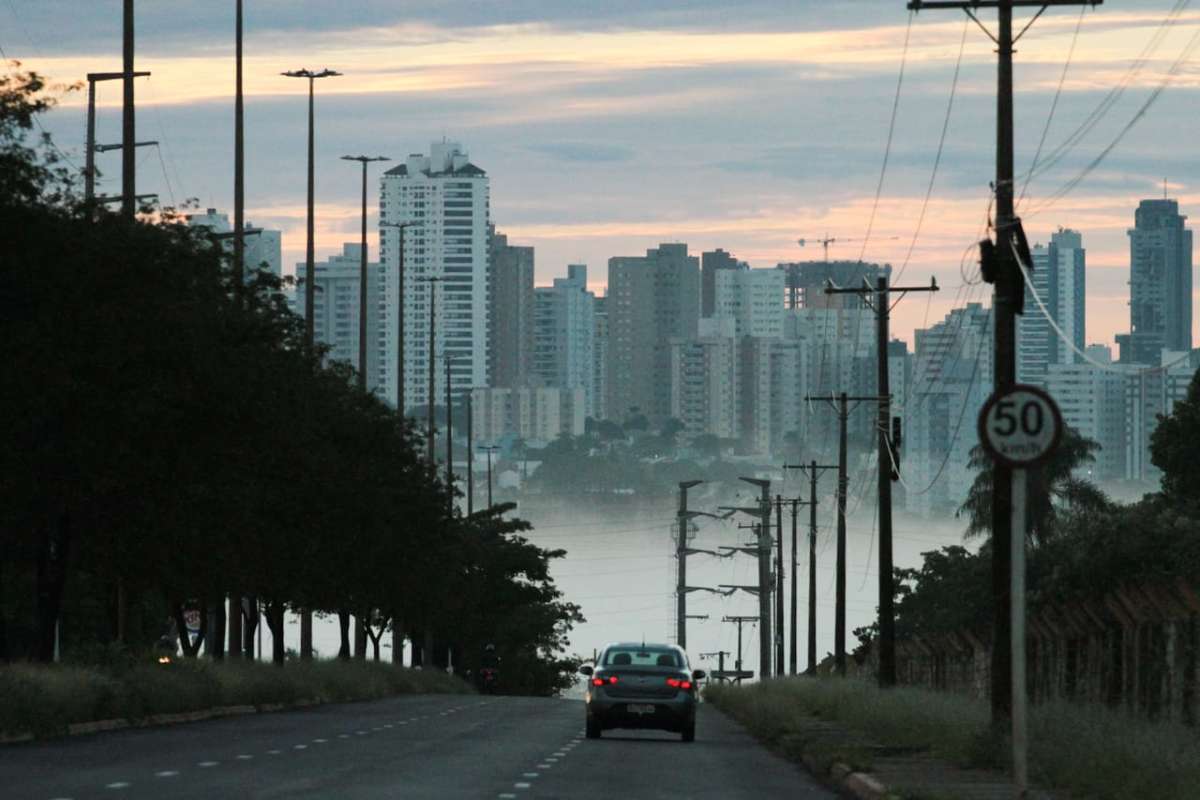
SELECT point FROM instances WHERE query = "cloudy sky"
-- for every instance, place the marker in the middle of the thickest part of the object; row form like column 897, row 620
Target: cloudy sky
column 609, row 127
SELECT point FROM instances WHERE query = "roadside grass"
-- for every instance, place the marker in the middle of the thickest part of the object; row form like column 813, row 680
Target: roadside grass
column 1090, row 751
column 44, row 700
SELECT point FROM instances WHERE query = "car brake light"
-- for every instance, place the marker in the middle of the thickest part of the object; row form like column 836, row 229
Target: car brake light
column 601, row 681
column 678, row 683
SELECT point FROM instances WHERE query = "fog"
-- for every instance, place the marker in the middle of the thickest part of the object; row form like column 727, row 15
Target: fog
column 620, row 567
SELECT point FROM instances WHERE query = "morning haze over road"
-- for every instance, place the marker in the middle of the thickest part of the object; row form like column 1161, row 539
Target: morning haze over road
column 646, row 399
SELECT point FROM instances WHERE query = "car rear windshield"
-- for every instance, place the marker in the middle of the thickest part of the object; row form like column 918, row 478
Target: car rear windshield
column 641, row 657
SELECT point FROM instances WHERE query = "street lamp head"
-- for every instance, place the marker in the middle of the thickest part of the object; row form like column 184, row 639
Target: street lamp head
column 759, row 482
column 689, row 484
column 308, row 73
column 365, row 159
column 413, row 224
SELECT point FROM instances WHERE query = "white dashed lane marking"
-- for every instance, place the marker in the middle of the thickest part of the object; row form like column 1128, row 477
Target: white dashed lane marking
column 529, row 775
column 545, row 766
column 320, row 741
column 274, row 752
column 244, row 757
column 207, row 764
column 299, row 747
column 521, row 785
column 166, row 773
column 118, row 785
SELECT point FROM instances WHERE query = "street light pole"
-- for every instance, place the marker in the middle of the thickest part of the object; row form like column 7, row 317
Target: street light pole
column 309, row 265
column 362, row 273
column 401, row 383
column 429, row 442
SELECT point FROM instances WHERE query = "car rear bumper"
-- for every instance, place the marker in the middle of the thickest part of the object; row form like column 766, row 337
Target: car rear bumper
column 656, row 713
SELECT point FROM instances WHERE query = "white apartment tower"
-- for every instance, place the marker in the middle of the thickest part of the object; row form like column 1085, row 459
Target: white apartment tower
column 445, row 196
column 564, row 333
column 335, row 313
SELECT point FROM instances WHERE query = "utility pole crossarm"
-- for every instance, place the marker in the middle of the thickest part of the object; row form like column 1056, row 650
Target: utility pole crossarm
column 971, row 5
column 749, row 589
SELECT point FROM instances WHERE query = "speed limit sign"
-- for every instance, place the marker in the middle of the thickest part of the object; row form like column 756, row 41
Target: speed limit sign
column 1020, row 426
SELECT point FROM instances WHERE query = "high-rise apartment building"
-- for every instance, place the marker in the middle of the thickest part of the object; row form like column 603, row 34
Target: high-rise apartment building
column 336, row 313
column 564, row 332
column 1092, row 401
column 448, row 196
column 1160, row 284
column 263, row 247
column 704, row 377
column 806, row 282
column 710, row 264
column 952, row 378
column 600, row 359
column 1059, row 280
column 652, row 299
column 753, row 298
column 512, row 312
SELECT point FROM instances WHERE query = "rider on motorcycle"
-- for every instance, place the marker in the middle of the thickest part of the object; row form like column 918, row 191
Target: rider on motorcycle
column 489, row 668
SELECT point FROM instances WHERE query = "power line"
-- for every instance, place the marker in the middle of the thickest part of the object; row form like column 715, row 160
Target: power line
column 1053, row 106
column 1067, row 188
column 887, row 151
column 937, row 160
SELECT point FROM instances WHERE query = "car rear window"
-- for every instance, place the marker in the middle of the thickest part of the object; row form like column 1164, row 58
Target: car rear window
column 641, row 657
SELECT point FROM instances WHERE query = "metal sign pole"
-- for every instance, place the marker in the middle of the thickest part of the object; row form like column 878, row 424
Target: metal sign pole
column 1020, row 694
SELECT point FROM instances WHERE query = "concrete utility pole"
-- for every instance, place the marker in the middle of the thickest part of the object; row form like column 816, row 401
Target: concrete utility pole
column 362, row 273
column 239, row 161
column 682, row 551
column 880, row 299
column 739, row 621
column 999, row 266
column 813, row 470
column 841, row 403
column 489, row 449
column 720, row 654
column 401, row 384
column 763, row 550
column 795, row 503
column 429, row 433
column 310, row 253
column 128, row 133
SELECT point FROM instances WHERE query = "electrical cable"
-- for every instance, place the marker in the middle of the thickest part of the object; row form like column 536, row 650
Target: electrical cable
column 1053, row 107
column 937, row 160
column 1108, row 101
column 887, row 151
column 1119, row 369
column 1067, row 188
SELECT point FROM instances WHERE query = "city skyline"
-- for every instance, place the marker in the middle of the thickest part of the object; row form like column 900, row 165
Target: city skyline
column 732, row 163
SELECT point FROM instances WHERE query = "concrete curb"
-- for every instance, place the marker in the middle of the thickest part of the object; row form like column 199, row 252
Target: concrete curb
column 158, row 720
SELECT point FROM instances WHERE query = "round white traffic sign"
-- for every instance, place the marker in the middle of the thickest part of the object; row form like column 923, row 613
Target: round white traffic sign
column 1020, row 426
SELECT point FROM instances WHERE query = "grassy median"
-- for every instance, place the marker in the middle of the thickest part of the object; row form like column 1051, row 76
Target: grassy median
column 1092, row 752
column 44, row 700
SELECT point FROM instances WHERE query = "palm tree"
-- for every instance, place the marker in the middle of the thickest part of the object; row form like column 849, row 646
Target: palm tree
column 1051, row 489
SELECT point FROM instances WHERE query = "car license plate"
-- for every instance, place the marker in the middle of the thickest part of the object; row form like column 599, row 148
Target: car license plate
column 639, row 709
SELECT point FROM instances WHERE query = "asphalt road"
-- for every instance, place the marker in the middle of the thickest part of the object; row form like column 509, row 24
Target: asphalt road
column 410, row 747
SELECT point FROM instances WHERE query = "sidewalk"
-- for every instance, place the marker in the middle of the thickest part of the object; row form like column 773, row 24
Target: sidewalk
column 870, row 771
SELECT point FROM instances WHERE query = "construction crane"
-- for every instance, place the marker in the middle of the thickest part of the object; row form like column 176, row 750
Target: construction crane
column 825, row 242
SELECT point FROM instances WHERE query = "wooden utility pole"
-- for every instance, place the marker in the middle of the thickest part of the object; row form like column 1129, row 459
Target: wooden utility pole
column 1000, row 268
column 879, row 298
column 841, row 404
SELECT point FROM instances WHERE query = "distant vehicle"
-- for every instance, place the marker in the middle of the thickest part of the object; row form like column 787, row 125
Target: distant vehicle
column 642, row 685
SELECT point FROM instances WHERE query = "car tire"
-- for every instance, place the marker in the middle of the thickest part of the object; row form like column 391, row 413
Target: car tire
column 593, row 729
column 689, row 732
